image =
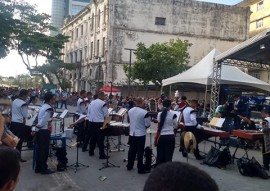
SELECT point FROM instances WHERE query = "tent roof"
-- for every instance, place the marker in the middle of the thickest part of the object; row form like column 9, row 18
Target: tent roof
column 108, row 89
column 201, row 73
column 255, row 49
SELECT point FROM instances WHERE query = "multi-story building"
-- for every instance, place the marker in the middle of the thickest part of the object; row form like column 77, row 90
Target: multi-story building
column 65, row 8
column 259, row 21
column 102, row 33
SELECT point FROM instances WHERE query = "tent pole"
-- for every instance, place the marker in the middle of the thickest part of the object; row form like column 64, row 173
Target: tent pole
column 170, row 90
column 205, row 97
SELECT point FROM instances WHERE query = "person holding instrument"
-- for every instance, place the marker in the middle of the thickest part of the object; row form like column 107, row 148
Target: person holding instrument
column 266, row 140
column 167, row 122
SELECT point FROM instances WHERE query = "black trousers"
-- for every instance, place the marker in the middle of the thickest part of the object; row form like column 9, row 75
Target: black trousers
column 266, row 156
column 43, row 143
column 136, row 147
column 97, row 137
column 87, row 135
column 165, row 148
column 18, row 129
column 198, row 137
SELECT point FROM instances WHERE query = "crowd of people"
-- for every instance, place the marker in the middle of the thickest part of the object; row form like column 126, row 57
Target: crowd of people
column 91, row 112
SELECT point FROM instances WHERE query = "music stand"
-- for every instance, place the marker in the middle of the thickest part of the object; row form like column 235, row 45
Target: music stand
column 105, row 125
column 77, row 164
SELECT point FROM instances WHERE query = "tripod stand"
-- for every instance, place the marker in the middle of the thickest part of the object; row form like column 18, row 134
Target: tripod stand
column 107, row 164
column 77, row 164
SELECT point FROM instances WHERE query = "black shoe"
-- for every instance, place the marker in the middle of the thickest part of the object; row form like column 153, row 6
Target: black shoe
column 91, row 154
column 104, row 157
column 84, row 150
column 48, row 171
column 143, row 171
column 184, row 154
column 37, row 171
column 266, row 167
column 22, row 160
column 129, row 168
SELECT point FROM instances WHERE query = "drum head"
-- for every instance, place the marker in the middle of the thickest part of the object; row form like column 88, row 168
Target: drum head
column 190, row 142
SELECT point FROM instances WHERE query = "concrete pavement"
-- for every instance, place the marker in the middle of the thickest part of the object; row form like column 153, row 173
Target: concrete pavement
column 119, row 179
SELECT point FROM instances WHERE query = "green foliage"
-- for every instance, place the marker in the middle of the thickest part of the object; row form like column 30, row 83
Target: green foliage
column 24, row 29
column 159, row 61
column 26, row 81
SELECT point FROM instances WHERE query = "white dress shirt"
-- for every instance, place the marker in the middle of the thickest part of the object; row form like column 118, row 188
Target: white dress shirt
column 97, row 111
column 169, row 123
column 139, row 121
column 45, row 116
column 19, row 111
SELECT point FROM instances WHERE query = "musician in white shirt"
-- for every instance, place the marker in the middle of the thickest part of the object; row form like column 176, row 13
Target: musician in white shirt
column 81, row 110
column 19, row 113
column 139, row 121
column 97, row 112
column 167, row 122
column 189, row 117
column 43, row 133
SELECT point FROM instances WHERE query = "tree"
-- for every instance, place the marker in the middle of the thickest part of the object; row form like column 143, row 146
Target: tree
column 24, row 29
column 159, row 61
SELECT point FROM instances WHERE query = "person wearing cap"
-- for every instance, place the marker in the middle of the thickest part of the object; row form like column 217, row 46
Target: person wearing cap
column 167, row 122
column 19, row 114
column 189, row 119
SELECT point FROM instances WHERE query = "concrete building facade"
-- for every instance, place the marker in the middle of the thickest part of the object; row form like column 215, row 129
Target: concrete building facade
column 101, row 33
column 259, row 21
column 62, row 9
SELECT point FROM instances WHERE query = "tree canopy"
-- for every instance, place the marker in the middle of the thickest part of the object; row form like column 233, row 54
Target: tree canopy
column 25, row 30
column 159, row 61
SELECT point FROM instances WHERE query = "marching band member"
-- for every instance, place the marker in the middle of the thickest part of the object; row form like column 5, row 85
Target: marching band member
column 189, row 119
column 81, row 110
column 97, row 113
column 87, row 134
column 266, row 131
column 43, row 133
column 167, row 122
column 139, row 121
column 19, row 112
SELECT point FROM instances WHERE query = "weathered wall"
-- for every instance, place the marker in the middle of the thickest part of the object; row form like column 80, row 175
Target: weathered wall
column 205, row 25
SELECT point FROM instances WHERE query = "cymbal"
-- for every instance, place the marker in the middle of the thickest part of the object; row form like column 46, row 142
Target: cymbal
column 190, row 142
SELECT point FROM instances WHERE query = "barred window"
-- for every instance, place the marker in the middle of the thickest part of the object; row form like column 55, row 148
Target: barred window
column 160, row 21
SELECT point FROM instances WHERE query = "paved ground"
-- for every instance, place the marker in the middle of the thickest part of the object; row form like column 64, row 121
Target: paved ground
column 119, row 179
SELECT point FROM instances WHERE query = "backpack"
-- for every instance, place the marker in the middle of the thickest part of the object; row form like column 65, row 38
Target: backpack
column 251, row 167
column 218, row 158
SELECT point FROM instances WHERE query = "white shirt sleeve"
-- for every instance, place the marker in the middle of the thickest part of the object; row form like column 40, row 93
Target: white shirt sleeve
column 147, row 121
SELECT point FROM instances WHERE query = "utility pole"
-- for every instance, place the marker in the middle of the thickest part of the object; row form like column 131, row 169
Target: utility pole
column 99, row 64
column 129, row 68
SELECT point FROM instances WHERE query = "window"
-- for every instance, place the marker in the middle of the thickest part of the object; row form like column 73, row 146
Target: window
column 85, row 53
column 259, row 23
column 104, row 15
column 98, row 21
column 97, row 47
column 91, row 53
column 75, row 57
column 103, row 46
column 260, row 6
column 160, row 21
column 81, row 30
column 75, row 9
column 92, row 23
column 72, row 35
column 77, row 32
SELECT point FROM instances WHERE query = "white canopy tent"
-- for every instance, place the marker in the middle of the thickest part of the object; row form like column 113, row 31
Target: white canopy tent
column 201, row 73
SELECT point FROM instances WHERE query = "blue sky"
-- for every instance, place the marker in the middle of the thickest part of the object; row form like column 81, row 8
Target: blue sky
column 227, row 2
